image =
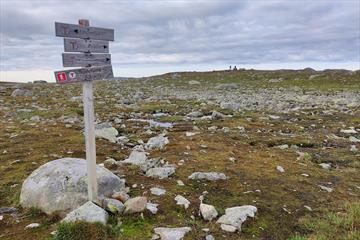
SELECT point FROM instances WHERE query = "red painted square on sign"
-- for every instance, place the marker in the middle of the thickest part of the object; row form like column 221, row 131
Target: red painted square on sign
column 61, row 77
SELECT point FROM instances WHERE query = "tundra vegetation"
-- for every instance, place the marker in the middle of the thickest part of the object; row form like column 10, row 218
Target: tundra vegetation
column 285, row 141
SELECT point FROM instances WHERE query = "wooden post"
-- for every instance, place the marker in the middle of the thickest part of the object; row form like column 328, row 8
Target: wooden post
column 88, row 101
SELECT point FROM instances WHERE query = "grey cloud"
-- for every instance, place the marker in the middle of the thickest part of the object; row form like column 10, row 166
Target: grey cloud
column 191, row 32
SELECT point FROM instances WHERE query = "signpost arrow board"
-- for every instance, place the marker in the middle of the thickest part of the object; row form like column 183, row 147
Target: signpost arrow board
column 84, row 74
column 97, row 67
column 85, row 45
column 85, row 59
column 77, row 31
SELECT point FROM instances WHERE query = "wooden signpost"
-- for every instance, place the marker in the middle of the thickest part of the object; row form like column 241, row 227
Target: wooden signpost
column 93, row 45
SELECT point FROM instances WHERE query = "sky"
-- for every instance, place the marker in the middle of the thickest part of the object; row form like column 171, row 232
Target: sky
column 155, row 37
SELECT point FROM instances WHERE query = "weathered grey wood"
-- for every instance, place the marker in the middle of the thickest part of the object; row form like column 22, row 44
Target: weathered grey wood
column 85, row 45
column 84, row 74
column 88, row 101
column 77, row 31
column 85, row 59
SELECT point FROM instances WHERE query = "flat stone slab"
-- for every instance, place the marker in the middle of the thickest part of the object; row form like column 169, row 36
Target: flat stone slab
column 89, row 212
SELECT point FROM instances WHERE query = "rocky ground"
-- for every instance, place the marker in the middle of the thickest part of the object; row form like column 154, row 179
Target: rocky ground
column 217, row 155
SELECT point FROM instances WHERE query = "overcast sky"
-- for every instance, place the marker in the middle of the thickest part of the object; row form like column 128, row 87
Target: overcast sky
column 154, row 37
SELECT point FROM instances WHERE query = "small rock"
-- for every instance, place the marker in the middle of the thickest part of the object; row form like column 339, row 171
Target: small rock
column 354, row 139
column 157, row 142
column 8, row 210
column 32, row 225
column 113, row 205
column 208, row 212
column 353, row 148
column 22, row 93
column 217, row 115
column 308, row 208
column 284, row 146
column 326, row 166
column 228, row 228
column 106, row 131
column 211, row 176
column 152, row 207
column 195, row 114
column 193, row 82
column 209, row 237
column 280, row 169
column 135, row 205
column 235, row 216
column 172, row 233
column 326, row 189
column 110, row 163
column 137, row 157
column 35, row 118
column 190, row 134
column 348, row 131
column 180, row 183
column 121, row 196
column 88, row 212
column 157, row 191
column 160, row 172
column 180, row 200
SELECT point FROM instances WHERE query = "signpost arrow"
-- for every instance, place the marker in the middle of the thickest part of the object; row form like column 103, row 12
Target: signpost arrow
column 84, row 74
column 85, row 59
column 88, row 40
column 85, row 45
column 82, row 31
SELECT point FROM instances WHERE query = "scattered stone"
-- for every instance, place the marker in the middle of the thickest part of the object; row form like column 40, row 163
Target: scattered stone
column 111, row 163
column 172, row 233
column 284, row 146
column 88, row 212
column 326, row 189
column 160, row 172
column 32, row 225
column 106, row 131
column 121, row 196
column 35, row 118
column 227, row 86
column 21, row 92
column 354, row 139
column 235, row 216
column 195, row 114
column 216, row 115
column 211, row 176
column 348, row 131
column 135, row 205
column 180, row 200
column 7, row 210
column 209, row 237
column 157, row 142
column 157, row 191
column 152, row 207
column 61, row 185
column 190, row 134
column 274, row 117
column 1, row 217
column 326, row 166
column 113, row 205
column 137, row 157
column 208, row 212
column 193, row 82
column 180, row 183
column 280, row 169
column 308, row 208
column 353, row 148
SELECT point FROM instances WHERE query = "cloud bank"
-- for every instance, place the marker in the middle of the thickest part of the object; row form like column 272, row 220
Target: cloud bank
column 175, row 33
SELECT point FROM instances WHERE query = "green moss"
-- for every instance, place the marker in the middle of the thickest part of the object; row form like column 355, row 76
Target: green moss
column 80, row 231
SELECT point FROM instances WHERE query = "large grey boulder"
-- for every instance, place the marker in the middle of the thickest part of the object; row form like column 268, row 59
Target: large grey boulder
column 89, row 212
column 61, row 185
